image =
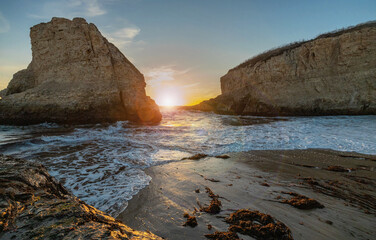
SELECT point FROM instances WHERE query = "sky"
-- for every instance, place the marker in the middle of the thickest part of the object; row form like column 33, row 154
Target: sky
column 182, row 47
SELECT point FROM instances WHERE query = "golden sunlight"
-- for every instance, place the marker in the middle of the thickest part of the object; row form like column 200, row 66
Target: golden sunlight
column 168, row 97
column 168, row 102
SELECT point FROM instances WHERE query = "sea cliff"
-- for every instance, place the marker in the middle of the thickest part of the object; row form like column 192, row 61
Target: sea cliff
column 332, row 74
column 76, row 76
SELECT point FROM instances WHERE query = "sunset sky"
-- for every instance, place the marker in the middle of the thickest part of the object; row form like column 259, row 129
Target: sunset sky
column 182, row 47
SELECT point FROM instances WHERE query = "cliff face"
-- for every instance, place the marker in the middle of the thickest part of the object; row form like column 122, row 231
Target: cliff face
column 332, row 74
column 33, row 205
column 76, row 75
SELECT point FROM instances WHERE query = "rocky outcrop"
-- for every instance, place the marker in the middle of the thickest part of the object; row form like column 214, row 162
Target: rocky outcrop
column 33, row 205
column 3, row 93
column 334, row 73
column 76, row 76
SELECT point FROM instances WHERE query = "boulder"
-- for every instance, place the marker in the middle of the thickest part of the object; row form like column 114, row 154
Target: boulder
column 34, row 205
column 332, row 74
column 76, row 76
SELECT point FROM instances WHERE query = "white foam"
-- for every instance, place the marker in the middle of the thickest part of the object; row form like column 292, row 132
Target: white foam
column 103, row 165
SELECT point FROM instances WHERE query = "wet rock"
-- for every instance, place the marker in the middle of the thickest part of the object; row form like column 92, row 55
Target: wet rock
column 212, row 179
column 346, row 191
column 258, row 225
column 223, row 156
column 329, row 222
column 337, row 169
column 302, row 202
column 195, row 157
column 34, row 205
column 310, row 181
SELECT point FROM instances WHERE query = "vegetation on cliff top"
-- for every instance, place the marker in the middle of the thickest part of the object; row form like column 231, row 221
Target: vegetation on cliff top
column 279, row 50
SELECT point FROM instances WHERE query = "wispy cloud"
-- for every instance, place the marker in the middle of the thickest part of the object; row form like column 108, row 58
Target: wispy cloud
column 70, row 9
column 4, row 24
column 92, row 8
column 124, row 37
column 190, row 85
column 129, row 32
column 156, row 76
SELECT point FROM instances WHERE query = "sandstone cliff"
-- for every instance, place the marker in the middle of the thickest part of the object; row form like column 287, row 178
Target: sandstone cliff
column 76, row 76
column 334, row 73
column 33, row 205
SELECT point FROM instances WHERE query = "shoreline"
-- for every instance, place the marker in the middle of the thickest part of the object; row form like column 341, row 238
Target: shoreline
column 256, row 180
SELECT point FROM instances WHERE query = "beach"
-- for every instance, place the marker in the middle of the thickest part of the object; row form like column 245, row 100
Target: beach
column 343, row 182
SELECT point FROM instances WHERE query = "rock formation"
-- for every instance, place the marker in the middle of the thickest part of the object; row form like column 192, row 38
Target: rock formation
column 334, row 73
column 33, row 205
column 76, row 76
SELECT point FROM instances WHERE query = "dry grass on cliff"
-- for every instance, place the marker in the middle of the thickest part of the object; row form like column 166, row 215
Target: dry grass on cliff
column 279, row 50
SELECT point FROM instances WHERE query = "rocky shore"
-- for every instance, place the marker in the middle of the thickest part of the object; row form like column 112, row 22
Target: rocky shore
column 333, row 74
column 75, row 76
column 33, row 205
column 266, row 194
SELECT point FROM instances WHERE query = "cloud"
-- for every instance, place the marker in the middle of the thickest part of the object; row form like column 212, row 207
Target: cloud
column 4, row 24
column 70, row 9
column 129, row 32
column 156, row 76
column 191, row 85
column 92, row 8
column 123, row 37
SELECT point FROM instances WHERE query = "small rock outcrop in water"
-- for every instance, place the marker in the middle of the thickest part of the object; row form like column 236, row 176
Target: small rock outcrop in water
column 33, row 205
column 332, row 74
column 76, row 76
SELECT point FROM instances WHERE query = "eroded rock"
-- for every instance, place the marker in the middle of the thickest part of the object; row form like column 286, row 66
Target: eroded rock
column 76, row 76
column 33, row 205
column 332, row 74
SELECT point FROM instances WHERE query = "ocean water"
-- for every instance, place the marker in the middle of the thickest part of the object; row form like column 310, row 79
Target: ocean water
column 104, row 164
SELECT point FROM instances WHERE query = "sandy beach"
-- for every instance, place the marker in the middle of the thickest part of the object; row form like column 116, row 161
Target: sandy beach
column 344, row 183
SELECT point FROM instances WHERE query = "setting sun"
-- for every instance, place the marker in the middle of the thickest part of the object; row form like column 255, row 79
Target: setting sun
column 168, row 101
column 169, row 96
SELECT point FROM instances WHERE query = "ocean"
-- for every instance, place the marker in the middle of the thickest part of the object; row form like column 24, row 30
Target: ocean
column 104, row 164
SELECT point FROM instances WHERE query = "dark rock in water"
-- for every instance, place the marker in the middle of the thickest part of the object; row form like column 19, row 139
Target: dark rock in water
column 302, row 202
column 223, row 156
column 332, row 74
column 33, row 205
column 258, row 225
column 76, row 76
column 337, row 169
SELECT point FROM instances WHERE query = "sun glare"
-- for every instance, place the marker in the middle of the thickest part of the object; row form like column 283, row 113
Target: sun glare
column 168, row 102
column 169, row 97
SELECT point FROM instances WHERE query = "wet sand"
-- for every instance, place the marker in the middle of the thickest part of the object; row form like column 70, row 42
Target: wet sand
column 256, row 180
